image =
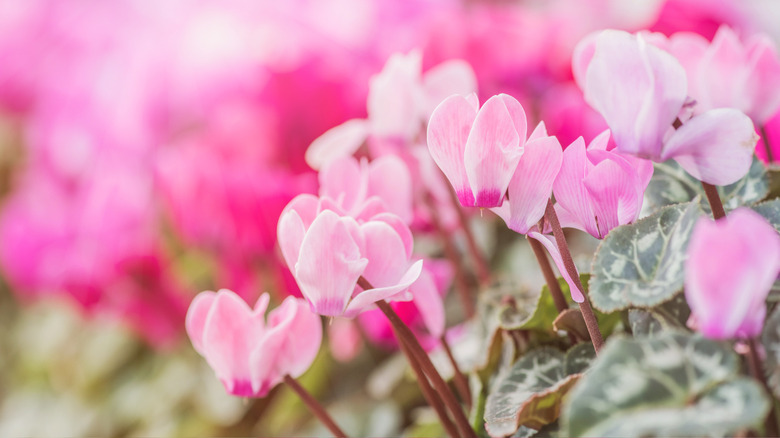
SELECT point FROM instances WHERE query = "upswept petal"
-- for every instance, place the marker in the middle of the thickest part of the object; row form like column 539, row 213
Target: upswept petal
column 306, row 205
column 390, row 180
column 365, row 299
column 448, row 131
column 340, row 141
column 429, row 303
column 570, row 194
column 539, row 132
column 230, row 333
column 330, row 263
column 731, row 266
column 450, row 77
column 386, row 254
column 400, row 228
column 638, row 89
column 552, row 248
column 715, row 147
column 722, row 73
column 581, row 57
column 763, row 85
column 612, row 196
column 394, row 97
column 290, row 233
column 195, row 321
column 532, row 183
column 493, row 150
column 345, row 181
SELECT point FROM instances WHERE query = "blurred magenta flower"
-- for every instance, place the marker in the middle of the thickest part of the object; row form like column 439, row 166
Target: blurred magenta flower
column 598, row 189
column 328, row 253
column 727, row 73
column 400, row 101
column 640, row 90
column 478, row 149
column 731, row 266
column 248, row 355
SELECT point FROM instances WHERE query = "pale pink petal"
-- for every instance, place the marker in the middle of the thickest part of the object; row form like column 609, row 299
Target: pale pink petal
column 290, row 234
column 330, row 263
column 763, row 84
column 638, row 89
column 306, row 205
column 722, row 73
column 429, row 303
column 344, row 181
column 448, row 131
column 394, row 97
column 552, row 248
column 366, row 299
column 539, row 132
column 390, row 180
column 532, row 183
column 341, row 141
column 731, row 266
column 450, row 77
column 195, row 321
column 493, row 150
column 715, row 147
column 231, row 332
column 570, row 194
column 345, row 338
column 386, row 253
column 400, row 228
column 612, row 196
column 580, row 59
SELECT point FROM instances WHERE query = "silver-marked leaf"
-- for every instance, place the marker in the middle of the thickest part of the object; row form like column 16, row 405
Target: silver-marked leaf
column 641, row 264
column 671, row 315
column 672, row 384
column 771, row 340
column 539, row 373
column 645, row 322
column 578, row 358
column 771, row 212
column 672, row 185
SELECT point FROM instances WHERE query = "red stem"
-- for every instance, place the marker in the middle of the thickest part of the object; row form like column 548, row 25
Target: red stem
column 571, row 269
column 716, row 205
column 483, row 273
column 461, row 384
column 314, row 406
column 756, row 370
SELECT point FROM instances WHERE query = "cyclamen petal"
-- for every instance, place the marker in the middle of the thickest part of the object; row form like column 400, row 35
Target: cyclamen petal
column 731, row 266
column 340, row 141
column 555, row 253
column 249, row 356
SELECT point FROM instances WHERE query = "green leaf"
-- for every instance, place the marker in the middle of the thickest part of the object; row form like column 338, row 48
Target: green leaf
column 531, row 392
column 671, row 315
column 672, row 384
column 771, row 340
column 672, row 185
column 771, row 212
column 641, row 264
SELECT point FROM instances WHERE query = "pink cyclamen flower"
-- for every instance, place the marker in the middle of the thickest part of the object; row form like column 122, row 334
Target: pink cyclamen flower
column 640, row 90
column 328, row 253
column 478, row 149
column 727, row 73
column 598, row 189
column 400, row 101
column 247, row 354
column 732, row 264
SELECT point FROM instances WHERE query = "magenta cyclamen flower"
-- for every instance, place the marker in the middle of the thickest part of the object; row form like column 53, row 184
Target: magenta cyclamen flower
column 640, row 90
column 249, row 356
column 598, row 189
column 478, row 149
column 328, row 253
column 732, row 264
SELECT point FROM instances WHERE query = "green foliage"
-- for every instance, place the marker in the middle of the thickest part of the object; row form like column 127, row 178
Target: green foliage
column 530, row 393
column 641, row 264
column 671, row 384
column 770, row 338
column 770, row 210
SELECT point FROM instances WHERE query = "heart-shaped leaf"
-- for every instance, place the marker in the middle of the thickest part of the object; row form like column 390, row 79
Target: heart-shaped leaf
column 672, row 384
column 641, row 264
column 771, row 340
column 771, row 212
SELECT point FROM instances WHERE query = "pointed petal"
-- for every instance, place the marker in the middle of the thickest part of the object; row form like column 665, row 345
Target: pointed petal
column 390, row 180
column 715, row 147
column 365, row 299
column 532, row 183
column 330, row 263
column 570, row 194
column 493, row 150
column 343, row 181
column 555, row 253
column 763, row 84
column 195, row 321
column 448, row 131
column 340, row 141
column 539, row 132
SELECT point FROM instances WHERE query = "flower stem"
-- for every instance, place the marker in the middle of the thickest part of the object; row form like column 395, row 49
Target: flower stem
column 568, row 262
column 314, row 406
column 461, row 384
column 428, row 393
column 549, row 275
column 404, row 334
column 714, row 199
column 756, row 370
column 483, row 273
column 451, row 253
column 767, row 145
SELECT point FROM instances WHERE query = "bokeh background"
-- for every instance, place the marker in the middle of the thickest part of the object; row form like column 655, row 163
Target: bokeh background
column 147, row 149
